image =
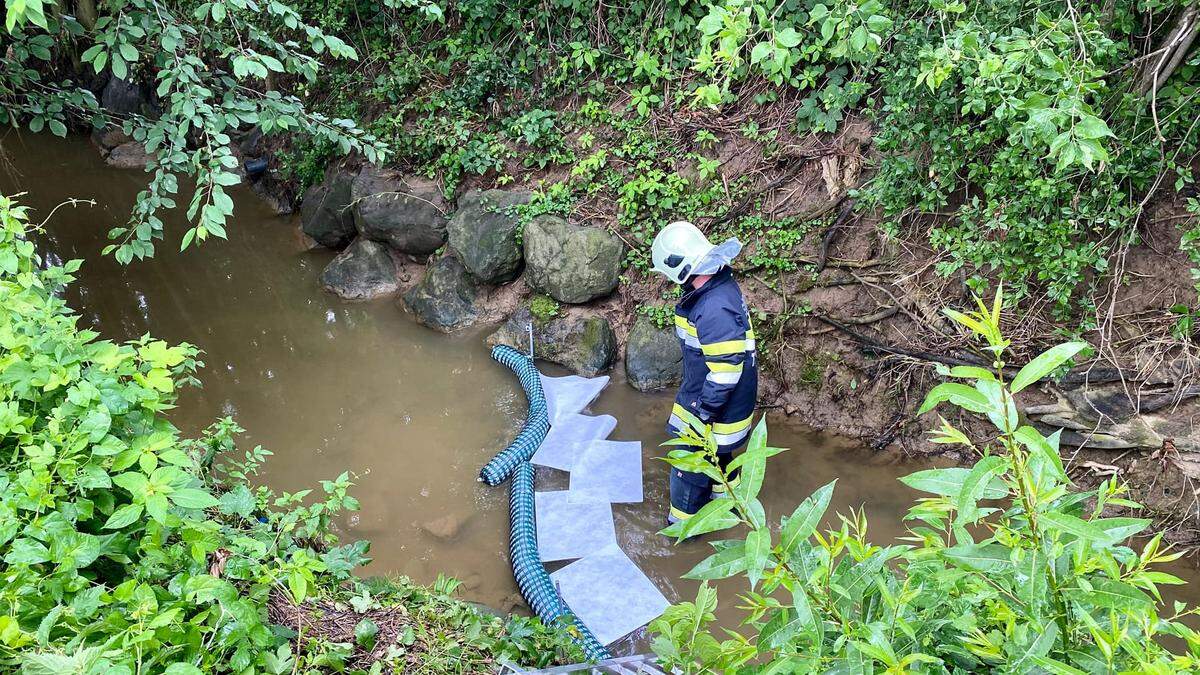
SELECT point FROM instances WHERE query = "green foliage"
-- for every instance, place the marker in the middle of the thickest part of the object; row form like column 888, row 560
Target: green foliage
column 1036, row 160
column 771, row 243
column 212, row 67
column 544, row 307
column 662, row 316
column 809, row 47
column 127, row 548
column 305, row 162
column 1007, row 568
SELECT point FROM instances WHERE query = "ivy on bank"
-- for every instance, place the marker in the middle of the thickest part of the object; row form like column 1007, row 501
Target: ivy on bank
column 1021, row 139
column 125, row 548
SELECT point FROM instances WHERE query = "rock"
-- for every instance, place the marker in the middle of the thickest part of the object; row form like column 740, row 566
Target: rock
column 512, row 602
column 445, row 298
column 487, row 611
column 583, row 344
column 483, row 234
column 408, row 215
column 131, row 155
column 447, row 527
column 123, row 98
column 571, row 263
column 363, row 271
column 653, row 358
column 250, row 144
column 110, row 137
column 325, row 213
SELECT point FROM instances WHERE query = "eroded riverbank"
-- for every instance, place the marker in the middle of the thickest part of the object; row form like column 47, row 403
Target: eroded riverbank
column 330, row 386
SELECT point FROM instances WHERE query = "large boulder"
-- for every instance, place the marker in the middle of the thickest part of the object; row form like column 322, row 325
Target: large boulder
column 407, row 214
column 653, row 357
column 483, row 234
column 325, row 213
column 583, row 344
column 445, row 298
column 571, row 263
column 363, row 271
column 121, row 99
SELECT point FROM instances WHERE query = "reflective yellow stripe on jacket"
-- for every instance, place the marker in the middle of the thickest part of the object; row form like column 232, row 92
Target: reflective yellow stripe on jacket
column 728, row 347
column 725, row 433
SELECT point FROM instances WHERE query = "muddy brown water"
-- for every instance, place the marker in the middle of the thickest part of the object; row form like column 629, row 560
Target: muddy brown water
column 329, row 386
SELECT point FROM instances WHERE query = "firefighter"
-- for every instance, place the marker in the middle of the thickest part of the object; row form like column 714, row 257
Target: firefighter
column 720, row 369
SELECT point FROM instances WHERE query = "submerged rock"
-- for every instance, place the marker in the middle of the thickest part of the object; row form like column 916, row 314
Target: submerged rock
column 584, row 344
column 448, row 527
column 111, row 136
column 325, row 213
column 653, row 358
column 571, row 263
column 363, row 271
column 445, row 298
column 131, row 155
column 512, row 602
column 407, row 214
column 483, row 233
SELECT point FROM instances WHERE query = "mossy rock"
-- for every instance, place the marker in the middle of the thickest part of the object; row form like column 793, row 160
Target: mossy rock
column 445, row 297
column 653, row 357
column 325, row 213
column 585, row 345
column 365, row 270
column 407, row 214
column 570, row 263
column 484, row 234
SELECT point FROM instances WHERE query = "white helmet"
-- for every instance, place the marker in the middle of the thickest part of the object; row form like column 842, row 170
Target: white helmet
column 681, row 250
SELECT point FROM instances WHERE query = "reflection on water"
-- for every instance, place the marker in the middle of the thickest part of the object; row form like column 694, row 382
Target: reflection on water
column 330, row 386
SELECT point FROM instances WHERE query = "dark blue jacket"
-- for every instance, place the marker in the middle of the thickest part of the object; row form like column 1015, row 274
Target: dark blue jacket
column 720, row 366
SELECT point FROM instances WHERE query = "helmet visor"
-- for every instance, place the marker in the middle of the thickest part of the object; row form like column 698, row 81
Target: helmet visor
column 718, row 257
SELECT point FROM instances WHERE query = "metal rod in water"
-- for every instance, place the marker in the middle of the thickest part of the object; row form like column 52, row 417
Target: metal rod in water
column 530, row 329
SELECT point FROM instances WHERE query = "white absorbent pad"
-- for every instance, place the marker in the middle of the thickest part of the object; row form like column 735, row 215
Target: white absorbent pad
column 571, row 394
column 612, row 469
column 572, row 524
column 609, row 594
column 569, row 437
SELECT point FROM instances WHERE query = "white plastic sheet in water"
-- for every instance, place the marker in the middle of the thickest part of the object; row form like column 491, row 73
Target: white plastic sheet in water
column 568, row 438
column 572, row 524
column 571, row 394
column 608, row 592
column 611, row 468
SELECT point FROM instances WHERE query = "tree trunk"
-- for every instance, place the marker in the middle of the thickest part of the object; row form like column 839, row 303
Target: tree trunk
column 1162, row 62
column 85, row 11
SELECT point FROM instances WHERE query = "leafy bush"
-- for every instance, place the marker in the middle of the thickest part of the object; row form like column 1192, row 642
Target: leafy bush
column 1007, row 568
column 662, row 316
column 129, row 549
column 213, row 68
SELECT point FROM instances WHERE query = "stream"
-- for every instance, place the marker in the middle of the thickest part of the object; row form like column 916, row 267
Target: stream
column 330, row 386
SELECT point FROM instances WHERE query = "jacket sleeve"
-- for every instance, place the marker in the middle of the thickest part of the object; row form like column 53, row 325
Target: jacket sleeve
column 721, row 331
